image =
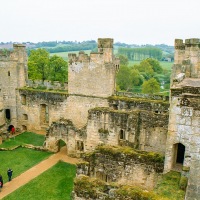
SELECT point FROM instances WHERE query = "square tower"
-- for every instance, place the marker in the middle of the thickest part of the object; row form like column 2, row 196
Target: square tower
column 183, row 139
column 93, row 75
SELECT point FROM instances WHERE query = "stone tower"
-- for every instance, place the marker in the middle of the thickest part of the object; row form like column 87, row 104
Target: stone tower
column 93, row 75
column 91, row 79
column 13, row 75
column 183, row 140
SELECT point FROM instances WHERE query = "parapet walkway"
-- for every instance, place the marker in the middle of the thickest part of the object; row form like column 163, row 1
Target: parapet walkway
column 35, row 171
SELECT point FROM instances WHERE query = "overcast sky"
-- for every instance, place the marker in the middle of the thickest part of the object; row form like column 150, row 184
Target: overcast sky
column 129, row 21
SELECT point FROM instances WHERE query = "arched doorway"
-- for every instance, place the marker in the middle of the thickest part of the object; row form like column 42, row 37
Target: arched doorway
column 62, row 146
column 179, row 155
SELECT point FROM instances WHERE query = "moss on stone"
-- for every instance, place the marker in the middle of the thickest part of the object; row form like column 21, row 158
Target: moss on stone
column 142, row 156
column 109, row 110
column 82, row 163
column 186, row 169
column 43, row 90
column 104, row 131
column 183, row 183
column 132, row 192
column 91, row 188
column 88, row 187
column 130, row 99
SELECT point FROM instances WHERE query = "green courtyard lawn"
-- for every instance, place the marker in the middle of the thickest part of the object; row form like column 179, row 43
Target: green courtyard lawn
column 20, row 160
column 24, row 138
column 54, row 184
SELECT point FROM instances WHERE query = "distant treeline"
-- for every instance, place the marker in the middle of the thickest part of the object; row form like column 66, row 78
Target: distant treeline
column 141, row 53
column 55, row 47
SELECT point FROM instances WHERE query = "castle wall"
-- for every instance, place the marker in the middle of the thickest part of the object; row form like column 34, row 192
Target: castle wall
column 78, row 106
column 183, row 139
column 13, row 75
column 123, row 165
column 30, row 105
column 134, row 122
column 2, row 118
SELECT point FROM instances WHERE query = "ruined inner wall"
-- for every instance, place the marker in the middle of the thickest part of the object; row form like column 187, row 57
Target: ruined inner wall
column 37, row 109
column 184, row 114
column 13, row 71
column 124, row 166
column 136, row 122
column 77, row 108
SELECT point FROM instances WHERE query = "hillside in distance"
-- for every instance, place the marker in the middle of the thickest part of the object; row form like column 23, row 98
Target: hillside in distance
column 68, row 46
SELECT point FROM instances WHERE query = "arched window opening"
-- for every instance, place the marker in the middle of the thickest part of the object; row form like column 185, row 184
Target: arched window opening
column 23, row 99
column 122, row 135
column 8, row 73
column 44, row 114
column 7, row 113
column 79, row 145
column 24, row 128
column 25, row 117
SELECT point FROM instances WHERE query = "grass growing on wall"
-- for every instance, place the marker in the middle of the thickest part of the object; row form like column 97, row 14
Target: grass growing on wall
column 55, row 183
column 20, row 160
column 169, row 187
column 24, row 138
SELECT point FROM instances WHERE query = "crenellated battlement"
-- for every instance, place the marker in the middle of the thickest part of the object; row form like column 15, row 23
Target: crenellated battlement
column 18, row 53
column 93, row 74
column 186, row 58
column 192, row 42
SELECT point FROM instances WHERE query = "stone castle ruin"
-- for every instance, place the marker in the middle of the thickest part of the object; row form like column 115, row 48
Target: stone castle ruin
column 91, row 113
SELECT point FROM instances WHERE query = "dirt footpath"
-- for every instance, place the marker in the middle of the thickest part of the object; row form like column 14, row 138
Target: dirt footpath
column 35, row 171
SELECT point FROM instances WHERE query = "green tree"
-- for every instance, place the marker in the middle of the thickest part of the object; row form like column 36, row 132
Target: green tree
column 58, row 69
column 145, row 69
column 124, row 78
column 155, row 65
column 43, row 67
column 137, row 78
column 151, row 86
column 38, row 64
column 123, row 59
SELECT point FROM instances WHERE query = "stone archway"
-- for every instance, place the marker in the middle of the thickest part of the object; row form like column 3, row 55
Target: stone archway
column 64, row 130
column 61, row 143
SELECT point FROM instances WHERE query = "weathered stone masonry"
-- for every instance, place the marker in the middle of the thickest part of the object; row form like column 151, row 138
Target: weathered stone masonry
column 91, row 114
column 183, row 141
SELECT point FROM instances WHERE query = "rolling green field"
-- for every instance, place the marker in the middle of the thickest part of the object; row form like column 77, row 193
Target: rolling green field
column 64, row 55
column 54, row 184
column 165, row 65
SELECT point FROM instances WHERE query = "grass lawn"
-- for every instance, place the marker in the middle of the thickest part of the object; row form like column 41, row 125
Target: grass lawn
column 168, row 186
column 20, row 160
column 24, row 138
column 54, row 184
